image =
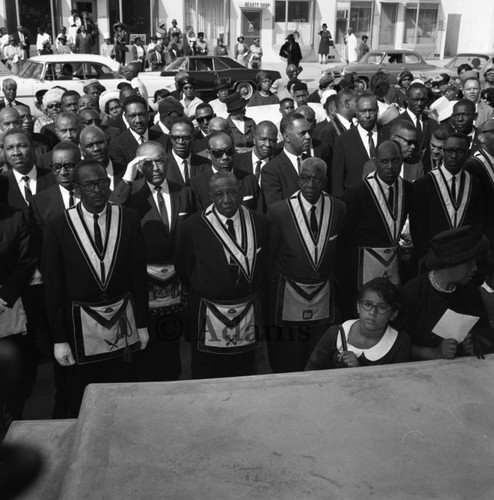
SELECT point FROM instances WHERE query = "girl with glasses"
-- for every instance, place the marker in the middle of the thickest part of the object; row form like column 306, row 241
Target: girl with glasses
column 368, row 340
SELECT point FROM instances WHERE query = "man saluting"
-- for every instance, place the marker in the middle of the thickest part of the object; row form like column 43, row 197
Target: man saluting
column 96, row 293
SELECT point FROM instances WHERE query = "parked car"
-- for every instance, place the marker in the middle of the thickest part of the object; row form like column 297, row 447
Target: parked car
column 483, row 59
column 394, row 61
column 205, row 69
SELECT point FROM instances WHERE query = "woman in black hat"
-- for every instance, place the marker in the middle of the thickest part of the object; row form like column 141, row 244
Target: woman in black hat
column 263, row 94
column 290, row 50
column 121, row 39
column 201, row 46
column 442, row 310
column 405, row 78
column 222, row 89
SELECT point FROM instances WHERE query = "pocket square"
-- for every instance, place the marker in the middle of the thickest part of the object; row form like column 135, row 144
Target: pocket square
column 247, row 198
column 180, row 214
column 258, row 250
column 333, row 237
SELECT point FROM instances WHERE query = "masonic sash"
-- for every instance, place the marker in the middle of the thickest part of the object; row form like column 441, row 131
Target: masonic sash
column 485, row 160
column 454, row 211
column 377, row 263
column 164, row 289
column 102, row 264
column 229, row 327
column 314, row 246
column 243, row 255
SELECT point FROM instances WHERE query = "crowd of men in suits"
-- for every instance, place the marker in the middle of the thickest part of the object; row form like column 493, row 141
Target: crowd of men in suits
column 116, row 240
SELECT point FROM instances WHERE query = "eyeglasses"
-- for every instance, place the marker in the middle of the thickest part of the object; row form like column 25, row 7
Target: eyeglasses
column 408, row 141
column 181, row 138
column 456, row 152
column 202, row 119
column 53, row 105
column 93, row 121
column 102, row 184
column 58, row 166
column 218, row 153
column 381, row 308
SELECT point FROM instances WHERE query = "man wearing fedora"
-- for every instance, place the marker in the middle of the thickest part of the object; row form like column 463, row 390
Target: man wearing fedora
column 442, row 310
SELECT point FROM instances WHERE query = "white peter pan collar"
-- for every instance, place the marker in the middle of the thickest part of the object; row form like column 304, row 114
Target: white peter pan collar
column 374, row 353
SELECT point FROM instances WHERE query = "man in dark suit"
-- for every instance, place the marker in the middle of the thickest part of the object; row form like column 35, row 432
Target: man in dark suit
column 123, row 147
column 463, row 119
column 9, row 89
column 204, row 114
column 16, row 268
column 405, row 134
column 416, row 103
column 445, row 198
column 162, row 207
column 303, row 232
column 94, row 257
column 21, row 39
column 377, row 209
column 222, row 155
column 44, row 206
column 91, row 116
column 346, row 109
column 183, row 164
column 280, row 175
column 356, row 146
column 317, row 149
column 94, row 144
column 220, row 257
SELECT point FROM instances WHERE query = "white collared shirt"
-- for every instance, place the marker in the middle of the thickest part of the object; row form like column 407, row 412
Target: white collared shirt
column 165, row 191
column 236, row 225
column 414, row 118
column 111, row 174
column 255, row 159
column 138, row 137
column 293, row 159
column 449, row 178
column 365, row 138
column 66, row 196
column 180, row 163
column 344, row 121
column 307, row 207
column 240, row 124
column 89, row 220
column 32, row 183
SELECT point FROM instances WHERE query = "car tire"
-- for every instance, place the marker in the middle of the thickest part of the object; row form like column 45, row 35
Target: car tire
column 365, row 81
column 245, row 89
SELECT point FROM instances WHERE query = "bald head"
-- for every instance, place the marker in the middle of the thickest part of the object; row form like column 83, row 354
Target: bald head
column 265, row 138
column 218, row 124
column 94, row 144
column 147, row 147
column 9, row 118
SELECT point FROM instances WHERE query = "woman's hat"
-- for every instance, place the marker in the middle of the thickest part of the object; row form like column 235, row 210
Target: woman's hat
column 186, row 80
column 200, row 34
column 240, row 37
column 91, row 82
column 444, row 108
column 234, row 102
column 222, row 83
column 404, row 74
column 118, row 24
column 456, row 246
column 106, row 97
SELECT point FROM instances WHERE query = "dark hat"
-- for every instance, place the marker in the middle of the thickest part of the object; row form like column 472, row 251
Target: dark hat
column 170, row 104
column 200, row 34
column 403, row 74
column 118, row 24
column 174, row 21
column 176, row 33
column 234, row 102
column 240, row 37
column 222, row 83
column 456, row 246
column 91, row 82
column 326, row 80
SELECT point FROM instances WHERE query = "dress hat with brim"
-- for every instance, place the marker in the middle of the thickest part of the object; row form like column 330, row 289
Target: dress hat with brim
column 118, row 25
column 234, row 102
column 456, row 246
column 222, row 83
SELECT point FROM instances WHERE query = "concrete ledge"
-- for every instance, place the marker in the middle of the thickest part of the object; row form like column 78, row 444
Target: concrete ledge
column 417, row 430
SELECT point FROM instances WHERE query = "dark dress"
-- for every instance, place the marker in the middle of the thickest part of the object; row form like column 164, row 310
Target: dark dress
column 258, row 99
column 394, row 347
column 324, row 42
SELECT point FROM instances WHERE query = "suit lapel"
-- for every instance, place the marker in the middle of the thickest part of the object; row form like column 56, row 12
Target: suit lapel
column 174, row 202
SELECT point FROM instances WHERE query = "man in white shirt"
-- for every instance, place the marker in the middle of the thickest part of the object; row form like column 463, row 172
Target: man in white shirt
column 352, row 46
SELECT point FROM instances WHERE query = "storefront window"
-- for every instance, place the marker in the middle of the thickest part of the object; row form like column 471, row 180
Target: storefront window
column 137, row 18
column 207, row 16
column 298, row 12
column 35, row 13
column 420, row 24
column 361, row 18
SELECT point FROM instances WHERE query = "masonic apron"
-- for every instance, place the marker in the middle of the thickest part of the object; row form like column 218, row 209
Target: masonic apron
column 106, row 329
column 383, row 261
column 232, row 327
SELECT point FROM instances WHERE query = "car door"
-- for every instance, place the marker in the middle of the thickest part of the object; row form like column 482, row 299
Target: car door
column 203, row 70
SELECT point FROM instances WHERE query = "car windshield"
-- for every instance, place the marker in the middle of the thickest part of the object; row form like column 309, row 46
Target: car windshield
column 468, row 59
column 31, row 70
column 175, row 65
column 372, row 58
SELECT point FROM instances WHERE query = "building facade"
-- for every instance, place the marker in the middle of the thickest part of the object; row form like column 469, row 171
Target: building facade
column 436, row 28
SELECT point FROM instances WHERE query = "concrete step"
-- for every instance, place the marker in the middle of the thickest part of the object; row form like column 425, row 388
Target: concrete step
column 53, row 438
column 417, row 430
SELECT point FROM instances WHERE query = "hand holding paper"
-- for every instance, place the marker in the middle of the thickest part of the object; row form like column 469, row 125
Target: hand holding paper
column 453, row 325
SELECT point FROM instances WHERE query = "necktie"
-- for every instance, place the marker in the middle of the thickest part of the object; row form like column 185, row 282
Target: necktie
column 257, row 171
column 372, row 146
column 98, row 240
column 299, row 164
column 391, row 198
column 161, row 205
column 418, row 126
column 71, row 198
column 142, row 140
column 453, row 188
column 28, row 194
column 233, row 264
column 313, row 221
column 186, row 172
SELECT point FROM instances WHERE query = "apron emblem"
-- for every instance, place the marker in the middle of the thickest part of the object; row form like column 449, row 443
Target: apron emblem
column 109, row 310
column 232, row 311
column 231, row 339
column 307, row 314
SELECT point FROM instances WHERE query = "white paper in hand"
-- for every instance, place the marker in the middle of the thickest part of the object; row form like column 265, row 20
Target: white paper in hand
column 454, row 326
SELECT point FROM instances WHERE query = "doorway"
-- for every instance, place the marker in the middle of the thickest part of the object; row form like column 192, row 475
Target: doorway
column 251, row 26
